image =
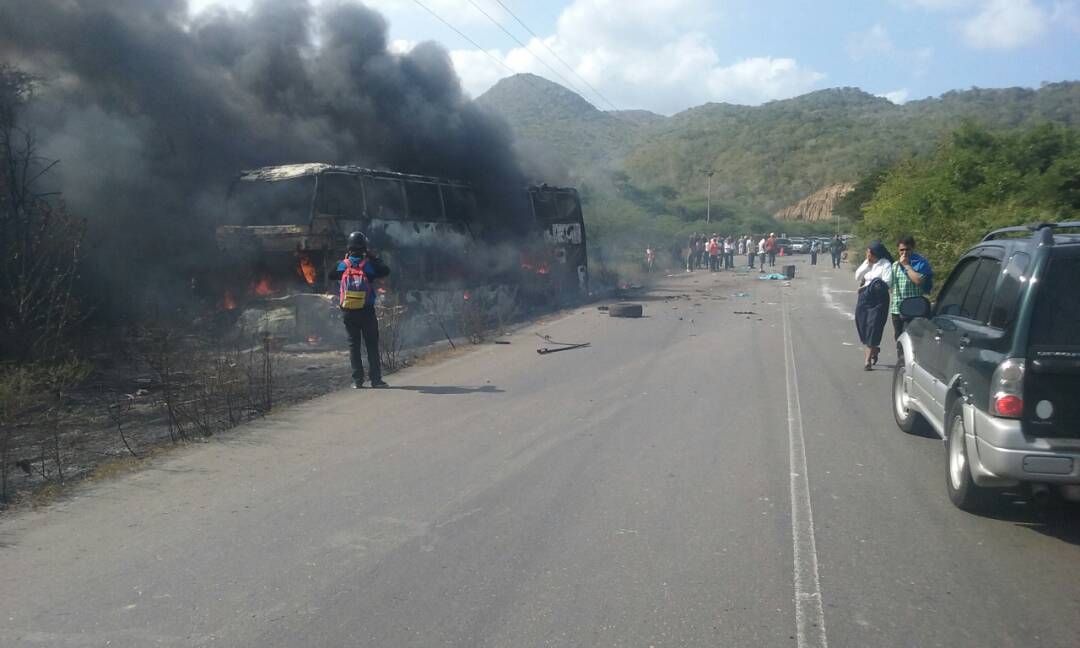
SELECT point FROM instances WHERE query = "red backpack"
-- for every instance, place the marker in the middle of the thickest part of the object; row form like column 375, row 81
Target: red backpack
column 354, row 286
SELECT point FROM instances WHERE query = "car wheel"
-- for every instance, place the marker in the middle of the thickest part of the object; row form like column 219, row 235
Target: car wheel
column 902, row 412
column 963, row 491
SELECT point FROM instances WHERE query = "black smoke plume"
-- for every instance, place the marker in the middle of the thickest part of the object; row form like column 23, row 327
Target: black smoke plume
column 153, row 113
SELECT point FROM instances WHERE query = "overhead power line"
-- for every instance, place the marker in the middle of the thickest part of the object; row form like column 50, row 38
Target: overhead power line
column 462, row 34
column 527, row 49
column 559, row 58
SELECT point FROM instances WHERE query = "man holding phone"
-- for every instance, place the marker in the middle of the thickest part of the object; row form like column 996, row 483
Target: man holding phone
column 912, row 277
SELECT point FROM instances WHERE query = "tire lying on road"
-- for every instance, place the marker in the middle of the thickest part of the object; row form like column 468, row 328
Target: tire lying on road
column 625, row 310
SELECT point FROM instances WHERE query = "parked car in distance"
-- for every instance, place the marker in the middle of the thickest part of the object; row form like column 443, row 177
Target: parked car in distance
column 783, row 245
column 800, row 245
column 994, row 366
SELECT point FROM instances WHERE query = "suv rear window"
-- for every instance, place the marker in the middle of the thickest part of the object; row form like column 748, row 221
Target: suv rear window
column 1057, row 307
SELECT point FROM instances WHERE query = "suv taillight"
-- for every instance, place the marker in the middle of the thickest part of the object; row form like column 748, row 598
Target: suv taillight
column 1007, row 389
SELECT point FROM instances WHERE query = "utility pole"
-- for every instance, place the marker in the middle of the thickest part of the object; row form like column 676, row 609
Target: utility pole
column 708, row 194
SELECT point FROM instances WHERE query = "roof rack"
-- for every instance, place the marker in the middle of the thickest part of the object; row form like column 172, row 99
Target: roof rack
column 1046, row 228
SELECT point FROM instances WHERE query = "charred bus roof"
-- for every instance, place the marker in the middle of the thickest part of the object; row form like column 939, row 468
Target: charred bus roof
column 309, row 169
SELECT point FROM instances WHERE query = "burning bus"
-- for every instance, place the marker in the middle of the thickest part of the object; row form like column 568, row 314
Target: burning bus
column 289, row 223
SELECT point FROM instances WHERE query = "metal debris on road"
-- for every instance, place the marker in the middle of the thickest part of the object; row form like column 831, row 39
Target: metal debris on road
column 744, row 312
column 563, row 346
column 547, row 350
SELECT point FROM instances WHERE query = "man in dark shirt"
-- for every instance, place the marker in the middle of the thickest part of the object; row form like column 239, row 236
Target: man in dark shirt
column 836, row 248
column 361, row 322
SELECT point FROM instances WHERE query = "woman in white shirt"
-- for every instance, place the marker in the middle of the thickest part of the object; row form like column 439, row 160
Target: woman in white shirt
column 872, row 310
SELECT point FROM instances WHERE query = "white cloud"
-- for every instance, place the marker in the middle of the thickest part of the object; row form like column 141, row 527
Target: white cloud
column 1005, row 24
column 401, row 46
column 756, row 80
column 876, row 43
column 939, row 5
column 477, row 70
column 870, row 43
column 652, row 54
column 1067, row 14
column 898, row 97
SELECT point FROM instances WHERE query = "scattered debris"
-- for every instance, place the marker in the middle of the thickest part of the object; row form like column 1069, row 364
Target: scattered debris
column 501, row 341
column 625, row 310
column 742, row 295
column 547, row 350
column 601, row 308
column 776, row 276
column 744, row 313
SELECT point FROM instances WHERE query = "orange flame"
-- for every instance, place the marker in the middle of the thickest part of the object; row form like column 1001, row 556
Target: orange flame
column 466, row 296
column 543, row 269
column 314, row 340
column 228, row 302
column 263, row 288
column 306, row 270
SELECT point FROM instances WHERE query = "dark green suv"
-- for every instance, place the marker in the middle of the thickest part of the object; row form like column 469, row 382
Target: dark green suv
column 994, row 365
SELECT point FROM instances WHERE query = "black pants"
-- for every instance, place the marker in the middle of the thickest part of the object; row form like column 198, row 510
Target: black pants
column 898, row 324
column 363, row 323
column 772, row 259
column 836, row 259
column 813, row 258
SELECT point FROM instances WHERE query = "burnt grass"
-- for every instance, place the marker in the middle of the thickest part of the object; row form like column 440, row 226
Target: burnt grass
column 88, row 442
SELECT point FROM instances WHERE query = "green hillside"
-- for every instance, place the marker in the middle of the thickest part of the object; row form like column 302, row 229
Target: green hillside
column 765, row 156
column 642, row 174
column 547, row 115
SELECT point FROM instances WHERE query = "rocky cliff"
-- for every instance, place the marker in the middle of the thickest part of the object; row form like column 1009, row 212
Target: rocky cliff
column 818, row 205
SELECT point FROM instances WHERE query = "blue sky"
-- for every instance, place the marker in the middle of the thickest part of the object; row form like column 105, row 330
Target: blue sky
column 669, row 55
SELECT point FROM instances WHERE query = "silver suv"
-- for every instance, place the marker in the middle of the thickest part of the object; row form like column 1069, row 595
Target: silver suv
column 994, row 366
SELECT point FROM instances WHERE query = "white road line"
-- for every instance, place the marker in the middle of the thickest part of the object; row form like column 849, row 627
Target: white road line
column 809, row 611
column 831, row 302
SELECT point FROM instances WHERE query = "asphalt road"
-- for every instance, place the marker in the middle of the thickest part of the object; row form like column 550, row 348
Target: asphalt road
column 694, row 478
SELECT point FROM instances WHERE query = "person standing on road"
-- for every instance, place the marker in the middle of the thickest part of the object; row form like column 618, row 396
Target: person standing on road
column 874, row 277
column 714, row 253
column 356, row 274
column 836, row 248
column 912, row 276
column 729, row 253
column 770, row 248
column 751, row 252
column 762, row 251
column 815, row 245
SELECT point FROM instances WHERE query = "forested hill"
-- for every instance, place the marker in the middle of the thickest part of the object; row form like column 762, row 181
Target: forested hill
column 765, row 157
column 547, row 114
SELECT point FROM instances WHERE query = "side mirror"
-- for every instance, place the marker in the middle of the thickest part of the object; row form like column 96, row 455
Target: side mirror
column 915, row 307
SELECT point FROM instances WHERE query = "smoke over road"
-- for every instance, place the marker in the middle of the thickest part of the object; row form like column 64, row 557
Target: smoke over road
column 153, row 113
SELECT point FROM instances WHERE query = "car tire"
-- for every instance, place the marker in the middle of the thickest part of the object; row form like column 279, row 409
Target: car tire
column 625, row 310
column 962, row 489
column 906, row 418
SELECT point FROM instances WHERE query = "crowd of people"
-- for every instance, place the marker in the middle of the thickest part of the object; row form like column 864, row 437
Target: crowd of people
column 717, row 253
column 883, row 282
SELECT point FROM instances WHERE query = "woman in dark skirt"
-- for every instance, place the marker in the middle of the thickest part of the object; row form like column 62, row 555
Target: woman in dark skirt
column 872, row 309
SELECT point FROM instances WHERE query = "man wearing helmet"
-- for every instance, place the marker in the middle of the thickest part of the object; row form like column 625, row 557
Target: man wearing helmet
column 356, row 274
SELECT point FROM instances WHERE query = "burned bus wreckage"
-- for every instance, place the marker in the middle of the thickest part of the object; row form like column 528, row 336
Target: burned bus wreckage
column 288, row 224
